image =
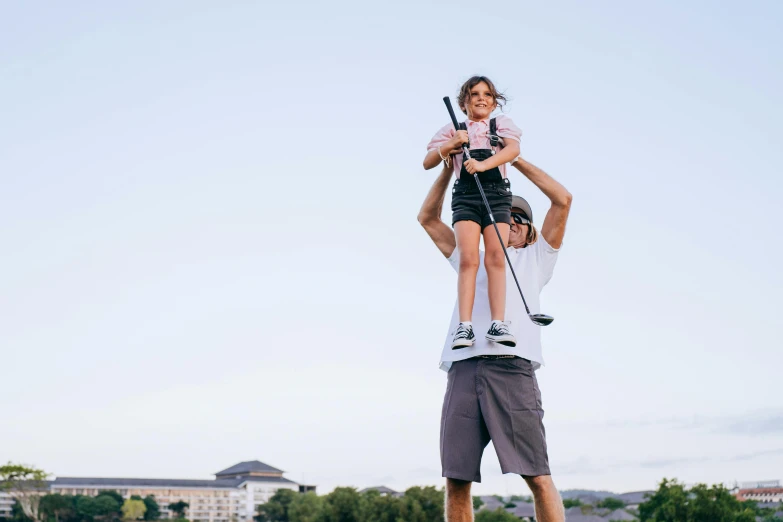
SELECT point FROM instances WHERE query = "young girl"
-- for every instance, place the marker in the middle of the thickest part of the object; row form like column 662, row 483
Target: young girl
column 478, row 98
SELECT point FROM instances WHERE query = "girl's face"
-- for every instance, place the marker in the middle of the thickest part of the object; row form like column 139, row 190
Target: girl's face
column 481, row 102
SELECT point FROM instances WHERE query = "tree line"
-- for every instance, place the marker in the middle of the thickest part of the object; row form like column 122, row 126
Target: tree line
column 418, row 504
column 671, row 502
column 107, row 506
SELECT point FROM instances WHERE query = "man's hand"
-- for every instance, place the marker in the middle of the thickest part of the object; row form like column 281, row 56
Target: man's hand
column 474, row 166
column 554, row 225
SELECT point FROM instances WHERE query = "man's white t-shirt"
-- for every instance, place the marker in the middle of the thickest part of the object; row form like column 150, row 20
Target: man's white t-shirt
column 534, row 266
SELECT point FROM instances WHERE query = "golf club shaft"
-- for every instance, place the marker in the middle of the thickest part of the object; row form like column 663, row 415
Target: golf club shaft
column 500, row 238
column 465, row 150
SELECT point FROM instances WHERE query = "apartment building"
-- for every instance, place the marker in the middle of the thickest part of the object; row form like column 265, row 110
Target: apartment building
column 765, row 491
column 5, row 504
column 232, row 496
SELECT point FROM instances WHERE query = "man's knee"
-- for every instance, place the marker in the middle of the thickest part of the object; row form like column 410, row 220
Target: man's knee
column 539, row 484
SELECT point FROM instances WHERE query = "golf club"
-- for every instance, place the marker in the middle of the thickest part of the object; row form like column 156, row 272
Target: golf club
column 539, row 319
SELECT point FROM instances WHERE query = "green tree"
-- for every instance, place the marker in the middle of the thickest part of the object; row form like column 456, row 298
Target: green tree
column 305, row 508
column 276, row 509
column 153, row 509
column 380, row 508
column 57, row 507
column 611, row 503
column 17, row 513
column 571, row 502
column 119, row 499
column 179, row 508
column 25, row 484
column 133, row 509
column 702, row 503
column 86, row 508
column 423, row 504
column 477, row 503
column 499, row 515
column 103, row 508
column 342, row 505
column 668, row 504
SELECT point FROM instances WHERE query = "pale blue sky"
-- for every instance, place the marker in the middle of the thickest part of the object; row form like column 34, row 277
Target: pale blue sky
column 208, row 219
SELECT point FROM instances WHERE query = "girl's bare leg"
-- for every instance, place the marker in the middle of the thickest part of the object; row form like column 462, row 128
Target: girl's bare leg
column 495, row 263
column 468, row 235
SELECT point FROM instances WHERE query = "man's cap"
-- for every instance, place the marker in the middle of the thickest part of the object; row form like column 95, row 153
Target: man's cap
column 519, row 203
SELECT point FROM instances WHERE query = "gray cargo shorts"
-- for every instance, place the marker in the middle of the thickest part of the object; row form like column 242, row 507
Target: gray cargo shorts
column 497, row 400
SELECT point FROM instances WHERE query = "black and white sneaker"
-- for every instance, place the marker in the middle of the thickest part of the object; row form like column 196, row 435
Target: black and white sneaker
column 499, row 333
column 463, row 337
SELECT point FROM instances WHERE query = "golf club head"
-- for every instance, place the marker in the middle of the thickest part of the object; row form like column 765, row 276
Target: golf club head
column 541, row 319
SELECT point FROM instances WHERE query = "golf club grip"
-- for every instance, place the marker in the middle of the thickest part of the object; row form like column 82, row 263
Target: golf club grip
column 447, row 101
column 465, row 147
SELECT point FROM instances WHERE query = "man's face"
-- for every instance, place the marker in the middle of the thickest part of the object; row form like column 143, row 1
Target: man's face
column 517, row 236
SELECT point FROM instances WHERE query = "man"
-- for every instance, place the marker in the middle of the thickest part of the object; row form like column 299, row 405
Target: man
column 492, row 392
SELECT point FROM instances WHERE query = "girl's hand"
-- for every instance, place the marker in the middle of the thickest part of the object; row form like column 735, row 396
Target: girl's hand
column 460, row 138
column 473, row 166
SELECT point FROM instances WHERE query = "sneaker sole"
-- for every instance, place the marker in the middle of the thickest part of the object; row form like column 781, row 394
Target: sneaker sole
column 461, row 345
column 511, row 343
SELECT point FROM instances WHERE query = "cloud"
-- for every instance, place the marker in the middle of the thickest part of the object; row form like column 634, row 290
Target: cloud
column 586, row 466
column 755, row 424
column 755, row 455
column 665, row 463
column 765, row 422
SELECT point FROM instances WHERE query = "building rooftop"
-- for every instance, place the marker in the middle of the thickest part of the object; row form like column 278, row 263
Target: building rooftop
column 491, row 503
column 523, row 509
column 620, row 514
column 383, row 490
column 761, row 491
column 178, row 483
column 249, row 467
column 634, row 497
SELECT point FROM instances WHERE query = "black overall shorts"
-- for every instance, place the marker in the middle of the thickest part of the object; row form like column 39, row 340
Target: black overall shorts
column 466, row 202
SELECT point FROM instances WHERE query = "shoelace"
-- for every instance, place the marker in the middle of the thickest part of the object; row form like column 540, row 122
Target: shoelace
column 499, row 329
column 462, row 333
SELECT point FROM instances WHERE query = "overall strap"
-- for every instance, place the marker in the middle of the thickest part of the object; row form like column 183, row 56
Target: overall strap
column 494, row 139
column 464, row 126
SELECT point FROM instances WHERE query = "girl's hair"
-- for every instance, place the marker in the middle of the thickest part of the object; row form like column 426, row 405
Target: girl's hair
column 464, row 92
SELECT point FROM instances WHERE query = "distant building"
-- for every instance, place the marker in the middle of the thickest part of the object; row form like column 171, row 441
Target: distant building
column 634, row 498
column 761, row 494
column 523, row 510
column 384, row 491
column 760, row 484
column 5, row 504
column 491, row 502
column 232, row 497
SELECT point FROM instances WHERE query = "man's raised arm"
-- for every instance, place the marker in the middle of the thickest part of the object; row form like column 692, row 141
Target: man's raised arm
column 554, row 225
column 429, row 215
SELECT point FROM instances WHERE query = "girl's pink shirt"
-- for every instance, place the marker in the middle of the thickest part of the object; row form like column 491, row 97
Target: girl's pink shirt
column 477, row 132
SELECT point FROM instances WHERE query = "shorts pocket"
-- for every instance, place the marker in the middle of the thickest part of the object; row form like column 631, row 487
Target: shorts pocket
column 503, row 190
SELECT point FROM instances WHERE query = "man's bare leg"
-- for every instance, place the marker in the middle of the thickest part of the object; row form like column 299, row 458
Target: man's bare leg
column 548, row 504
column 459, row 503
